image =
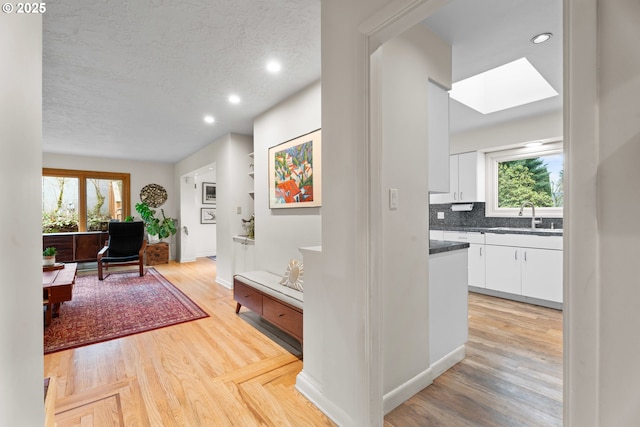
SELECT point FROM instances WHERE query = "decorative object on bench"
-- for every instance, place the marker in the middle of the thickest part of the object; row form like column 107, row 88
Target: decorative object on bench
column 293, row 275
column 126, row 246
column 262, row 293
column 294, row 173
column 49, row 256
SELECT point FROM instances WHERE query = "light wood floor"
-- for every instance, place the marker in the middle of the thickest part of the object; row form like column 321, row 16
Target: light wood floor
column 218, row 371
column 221, row 371
column 512, row 375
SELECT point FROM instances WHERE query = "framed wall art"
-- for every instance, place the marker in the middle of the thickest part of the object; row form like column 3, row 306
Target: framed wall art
column 207, row 215
column 208, row 193
column 295, row 173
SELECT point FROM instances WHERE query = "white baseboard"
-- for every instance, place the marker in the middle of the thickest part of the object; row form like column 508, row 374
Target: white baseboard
column 438, row 368
column 187, row 260
column 402, row 393
column 224, row 283
column 313, row 392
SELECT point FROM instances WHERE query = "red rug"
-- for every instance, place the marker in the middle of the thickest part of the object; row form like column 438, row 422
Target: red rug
column 122, row 304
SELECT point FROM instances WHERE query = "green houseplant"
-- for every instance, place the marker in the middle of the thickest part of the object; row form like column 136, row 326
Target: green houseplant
column 49, row 256
column 163, row 228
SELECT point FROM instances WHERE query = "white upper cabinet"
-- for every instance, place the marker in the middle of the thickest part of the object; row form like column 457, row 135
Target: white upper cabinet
column 466, row 179
column 438, row 137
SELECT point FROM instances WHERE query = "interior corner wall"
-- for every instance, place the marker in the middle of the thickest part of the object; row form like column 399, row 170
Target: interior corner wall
column 509, row 134
column 230, row 154
column 280, row 232
column 407, row 63
column 21, row 348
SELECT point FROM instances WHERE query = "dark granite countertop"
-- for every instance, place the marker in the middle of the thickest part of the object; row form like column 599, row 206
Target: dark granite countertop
column 503, row 230
column 438, row 246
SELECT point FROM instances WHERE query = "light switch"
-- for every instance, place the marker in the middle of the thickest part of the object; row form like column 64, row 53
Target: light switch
column 440, row 215
column 239, row 210
column 393, row 198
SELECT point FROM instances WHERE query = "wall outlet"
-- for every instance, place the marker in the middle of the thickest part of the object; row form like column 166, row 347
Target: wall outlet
column 239, row 210
column 440, row 215
column 393, row 198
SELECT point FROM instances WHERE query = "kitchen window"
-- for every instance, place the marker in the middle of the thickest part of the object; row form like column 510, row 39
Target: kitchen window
column 74, row 200
column 529, row 174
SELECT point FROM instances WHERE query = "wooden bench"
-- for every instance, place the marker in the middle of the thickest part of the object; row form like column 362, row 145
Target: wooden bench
column 261, row 292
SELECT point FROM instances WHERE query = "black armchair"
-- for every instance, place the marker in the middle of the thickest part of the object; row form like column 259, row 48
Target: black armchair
column 126, row 246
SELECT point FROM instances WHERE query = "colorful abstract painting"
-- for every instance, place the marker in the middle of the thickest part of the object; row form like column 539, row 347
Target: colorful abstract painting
column 294, row 173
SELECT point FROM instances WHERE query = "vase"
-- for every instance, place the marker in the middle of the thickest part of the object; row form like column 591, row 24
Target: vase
column 48, row 261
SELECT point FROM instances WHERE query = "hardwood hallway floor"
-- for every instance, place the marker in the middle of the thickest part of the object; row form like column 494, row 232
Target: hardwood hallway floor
column 512, row 375
column 217, row 371
column 221, row 371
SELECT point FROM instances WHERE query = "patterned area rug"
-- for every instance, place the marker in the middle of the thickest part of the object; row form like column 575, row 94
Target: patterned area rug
column 122, row 304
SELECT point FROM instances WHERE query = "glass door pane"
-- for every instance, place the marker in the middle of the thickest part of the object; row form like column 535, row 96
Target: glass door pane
column 104, row 203
column 59, row 204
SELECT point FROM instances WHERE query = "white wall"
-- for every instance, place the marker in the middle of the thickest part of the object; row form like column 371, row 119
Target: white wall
column 511, row 133
column 230, row 154
column 407, row 62
column 280, row 232
column 20, row 220
column 604, row 231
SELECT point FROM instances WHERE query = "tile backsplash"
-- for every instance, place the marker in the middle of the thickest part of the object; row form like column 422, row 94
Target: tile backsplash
column 476, row 218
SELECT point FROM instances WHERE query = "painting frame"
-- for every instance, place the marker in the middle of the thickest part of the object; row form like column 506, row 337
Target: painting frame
column 208, row 215
column 295, row 172
column 209, row 193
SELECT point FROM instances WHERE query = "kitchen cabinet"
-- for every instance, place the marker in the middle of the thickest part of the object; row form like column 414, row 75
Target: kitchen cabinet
column 476, row 255
column 438, row 137
column 243, row 254
column 466, row 179
column 436, row 235
column 526, row 265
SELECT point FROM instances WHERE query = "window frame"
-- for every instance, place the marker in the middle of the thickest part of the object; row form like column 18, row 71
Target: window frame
column 493, row 158
column 82, row 176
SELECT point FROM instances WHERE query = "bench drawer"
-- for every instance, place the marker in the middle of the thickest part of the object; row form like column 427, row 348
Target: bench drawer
column 283, row 316
column 247, row 297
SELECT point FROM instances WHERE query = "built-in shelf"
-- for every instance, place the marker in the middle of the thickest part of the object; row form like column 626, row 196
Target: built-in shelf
column 251, row 174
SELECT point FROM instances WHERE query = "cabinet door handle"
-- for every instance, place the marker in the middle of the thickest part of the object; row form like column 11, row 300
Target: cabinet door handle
column 461, row 196
column 455, row 195
column 516, row 254
column 480, row 250
column 525, row 255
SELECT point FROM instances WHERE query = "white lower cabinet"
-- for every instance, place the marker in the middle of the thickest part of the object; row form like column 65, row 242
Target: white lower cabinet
column 243, row 254
column 525, row 265
column 476, row 255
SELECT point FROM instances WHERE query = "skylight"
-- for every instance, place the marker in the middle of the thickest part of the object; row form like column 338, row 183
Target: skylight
column 507, row 86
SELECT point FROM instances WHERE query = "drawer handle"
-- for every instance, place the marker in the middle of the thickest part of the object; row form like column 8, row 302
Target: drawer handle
column 281, row 314
column 247, row 296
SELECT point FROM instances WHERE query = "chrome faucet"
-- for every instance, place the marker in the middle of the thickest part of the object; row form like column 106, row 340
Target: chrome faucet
column 534, row 221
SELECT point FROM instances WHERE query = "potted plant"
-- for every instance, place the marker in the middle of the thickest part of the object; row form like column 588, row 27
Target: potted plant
column 162, row 228
column 49, row 256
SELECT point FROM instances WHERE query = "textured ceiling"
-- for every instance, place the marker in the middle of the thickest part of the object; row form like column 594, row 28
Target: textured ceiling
column 134, row 79
column 488, row 33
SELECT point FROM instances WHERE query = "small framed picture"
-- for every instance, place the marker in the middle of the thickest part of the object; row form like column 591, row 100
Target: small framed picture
column 208, row 193
column 207, row 215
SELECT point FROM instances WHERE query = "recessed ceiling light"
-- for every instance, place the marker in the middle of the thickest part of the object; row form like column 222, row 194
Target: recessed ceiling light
column 541, row 38
column 234, row 99
column 507, row 86
column 533, row 144
column 209, row 119
column 274, row 67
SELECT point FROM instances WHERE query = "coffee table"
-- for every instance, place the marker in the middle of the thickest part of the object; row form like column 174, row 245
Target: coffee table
column 57, row 287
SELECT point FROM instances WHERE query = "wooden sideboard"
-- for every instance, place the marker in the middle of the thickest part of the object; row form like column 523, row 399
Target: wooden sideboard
column 76, row 247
